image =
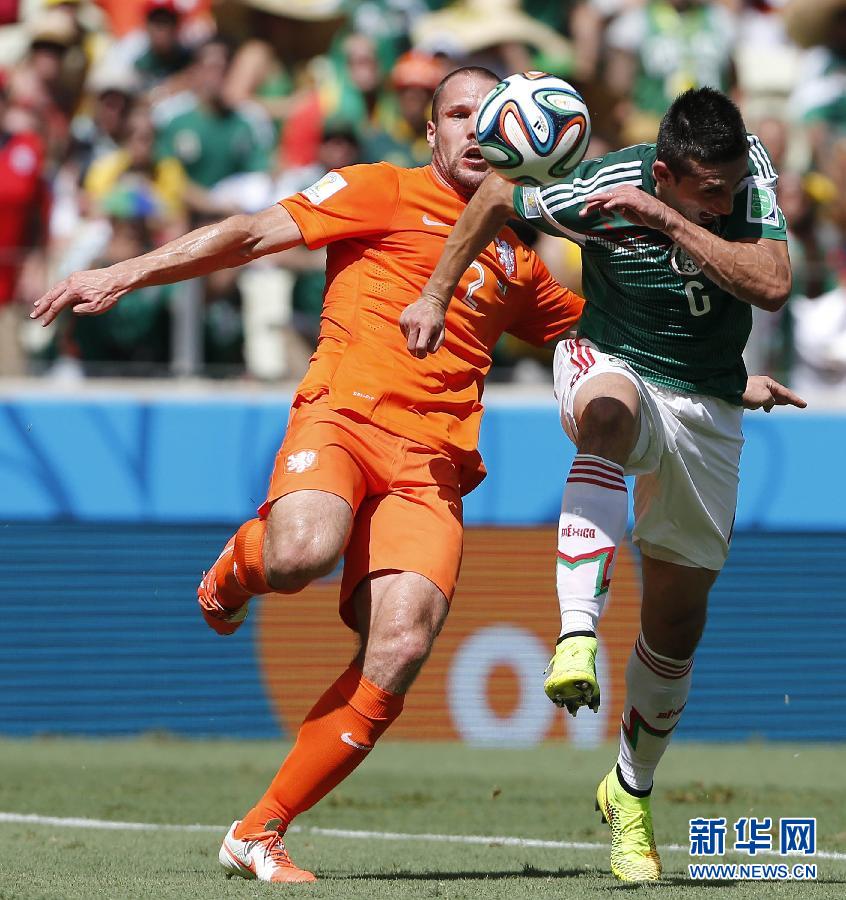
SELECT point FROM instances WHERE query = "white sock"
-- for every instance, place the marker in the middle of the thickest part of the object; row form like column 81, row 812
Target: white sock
column 656, row 693
column 594, row 513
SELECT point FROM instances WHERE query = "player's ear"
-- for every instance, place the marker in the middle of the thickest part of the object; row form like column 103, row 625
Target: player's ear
column 431, row 128
column 662, row 173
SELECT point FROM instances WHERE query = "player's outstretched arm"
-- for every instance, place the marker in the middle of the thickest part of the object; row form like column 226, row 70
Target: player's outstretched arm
column 422, row 322
column 763, row 392
column 223, row 245
column 755, row 271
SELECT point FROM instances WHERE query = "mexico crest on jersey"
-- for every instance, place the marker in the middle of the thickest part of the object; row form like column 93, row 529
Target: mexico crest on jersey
column 682, row 264
column 507, row 257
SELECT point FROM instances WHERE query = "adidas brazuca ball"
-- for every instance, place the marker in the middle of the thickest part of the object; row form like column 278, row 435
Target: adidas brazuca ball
column 533, row 128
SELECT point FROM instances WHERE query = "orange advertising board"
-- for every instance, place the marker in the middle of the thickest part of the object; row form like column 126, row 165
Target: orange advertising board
column 483, row 681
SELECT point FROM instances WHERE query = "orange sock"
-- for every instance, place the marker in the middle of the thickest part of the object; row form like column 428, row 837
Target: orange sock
column 332, row 741
column 240, row 574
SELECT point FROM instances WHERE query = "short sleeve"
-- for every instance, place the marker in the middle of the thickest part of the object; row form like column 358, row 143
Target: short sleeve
column 550, row 310
column 756, row 213
column 346, row 203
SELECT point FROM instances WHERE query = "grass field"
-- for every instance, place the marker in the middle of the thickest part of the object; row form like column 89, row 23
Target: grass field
column 413, row 789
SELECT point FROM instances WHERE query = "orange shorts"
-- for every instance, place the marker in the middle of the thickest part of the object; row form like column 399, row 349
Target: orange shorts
column 404, row 496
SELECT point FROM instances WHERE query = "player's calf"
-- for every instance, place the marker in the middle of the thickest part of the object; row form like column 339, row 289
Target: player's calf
column 405, row 612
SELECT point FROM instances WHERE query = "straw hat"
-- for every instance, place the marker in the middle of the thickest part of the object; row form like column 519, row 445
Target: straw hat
column 475, row 25
column 110, row 77
column 808, row 21
column 53, row 27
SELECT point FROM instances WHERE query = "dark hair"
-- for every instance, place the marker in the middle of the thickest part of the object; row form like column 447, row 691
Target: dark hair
column 464, row 70
column 702, row 125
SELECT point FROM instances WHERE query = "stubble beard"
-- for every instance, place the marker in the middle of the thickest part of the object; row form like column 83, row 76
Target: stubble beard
column 465, row 181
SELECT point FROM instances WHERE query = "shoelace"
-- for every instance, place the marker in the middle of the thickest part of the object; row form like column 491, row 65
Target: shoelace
column 275, row 850
column 209, row 602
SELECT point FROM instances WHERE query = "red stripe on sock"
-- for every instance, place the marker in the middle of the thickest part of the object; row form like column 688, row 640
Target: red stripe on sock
column 581, row 469
column 611, row 485
column 654, row 666
column 660, row 661
column 588, row 460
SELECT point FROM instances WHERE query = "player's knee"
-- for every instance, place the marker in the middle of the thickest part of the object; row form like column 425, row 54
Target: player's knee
column 412, row 649
column 607, row 429
column 297, row 561
column 677, row 635
column 402, row 652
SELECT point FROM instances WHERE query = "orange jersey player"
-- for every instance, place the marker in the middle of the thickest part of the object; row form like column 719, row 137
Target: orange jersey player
column 381, row 445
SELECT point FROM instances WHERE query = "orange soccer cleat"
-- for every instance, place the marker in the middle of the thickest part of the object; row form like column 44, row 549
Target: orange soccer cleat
column 261, row 856
column 221, row 584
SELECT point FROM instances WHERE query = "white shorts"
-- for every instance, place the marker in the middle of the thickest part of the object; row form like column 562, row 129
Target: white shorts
column 686, row 459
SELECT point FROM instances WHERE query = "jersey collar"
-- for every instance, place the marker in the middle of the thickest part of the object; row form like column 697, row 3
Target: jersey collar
column 649, row 158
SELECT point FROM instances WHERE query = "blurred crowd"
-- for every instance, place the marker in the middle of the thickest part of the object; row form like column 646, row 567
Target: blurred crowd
column 125, row 122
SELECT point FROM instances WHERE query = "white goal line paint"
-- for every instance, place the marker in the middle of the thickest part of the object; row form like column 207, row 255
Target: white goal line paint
column 480, row 839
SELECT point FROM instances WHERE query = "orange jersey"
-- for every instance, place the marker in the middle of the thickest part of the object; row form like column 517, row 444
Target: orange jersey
column 385, row 228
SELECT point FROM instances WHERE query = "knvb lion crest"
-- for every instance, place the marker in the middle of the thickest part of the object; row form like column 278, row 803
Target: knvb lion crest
column 507, row 258
column 682, row 264
column 301, row 461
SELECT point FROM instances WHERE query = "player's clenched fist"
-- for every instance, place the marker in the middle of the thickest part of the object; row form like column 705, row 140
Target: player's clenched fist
column 88, row 293
column 422, row 323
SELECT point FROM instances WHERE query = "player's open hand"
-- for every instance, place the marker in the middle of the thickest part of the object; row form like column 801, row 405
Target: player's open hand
column 88, row 293
column 763, row 392
column 422, row 323
column 632, row 204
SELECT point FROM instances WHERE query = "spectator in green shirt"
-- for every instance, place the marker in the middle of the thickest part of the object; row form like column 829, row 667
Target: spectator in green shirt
column 210, row 139
column 661, row 49
column 136, row 341
column 165, row 55
column 819, row 100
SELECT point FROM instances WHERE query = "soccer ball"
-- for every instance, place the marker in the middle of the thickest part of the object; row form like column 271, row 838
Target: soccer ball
column 533, row 128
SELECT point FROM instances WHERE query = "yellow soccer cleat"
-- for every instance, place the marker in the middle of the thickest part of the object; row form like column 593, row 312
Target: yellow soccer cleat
column 571, row 681
column 634, row 856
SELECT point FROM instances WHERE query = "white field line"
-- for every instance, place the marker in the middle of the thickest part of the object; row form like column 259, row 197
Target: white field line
column 485, row 840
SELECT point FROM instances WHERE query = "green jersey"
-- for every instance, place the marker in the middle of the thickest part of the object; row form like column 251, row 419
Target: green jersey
column 649, row 303
column 213, row 145
column 821, row 94
column 674, row 49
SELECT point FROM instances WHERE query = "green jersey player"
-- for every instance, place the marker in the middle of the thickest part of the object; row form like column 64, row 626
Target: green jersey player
column 679, row 240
